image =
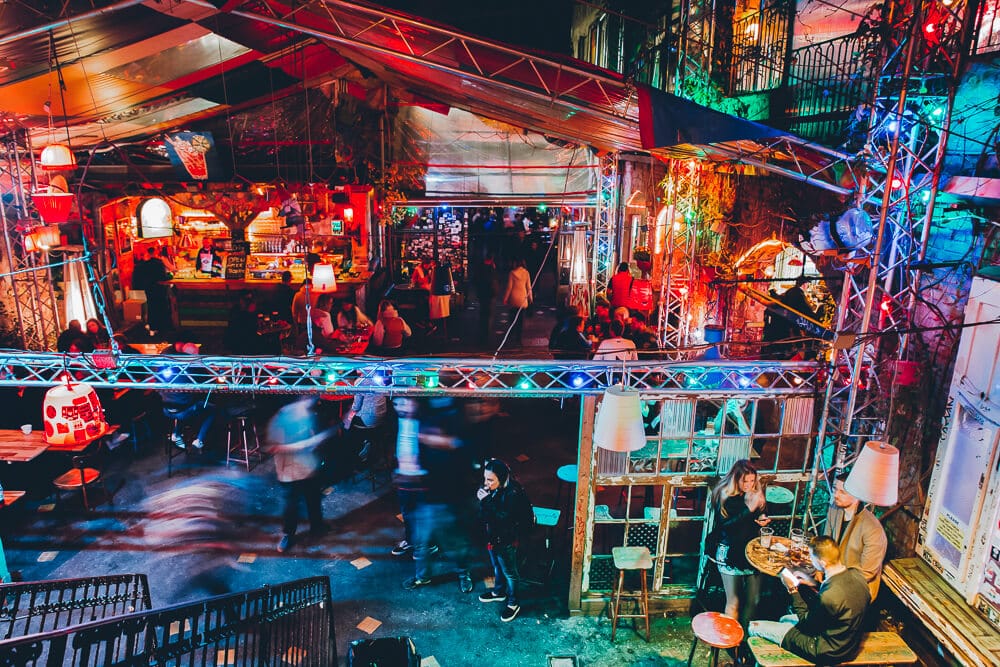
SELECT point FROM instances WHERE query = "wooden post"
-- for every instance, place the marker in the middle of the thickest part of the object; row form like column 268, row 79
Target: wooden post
column 582, row 507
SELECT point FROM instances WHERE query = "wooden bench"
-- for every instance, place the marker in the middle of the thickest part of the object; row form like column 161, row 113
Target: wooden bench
column 959, row 628
column 877, row 648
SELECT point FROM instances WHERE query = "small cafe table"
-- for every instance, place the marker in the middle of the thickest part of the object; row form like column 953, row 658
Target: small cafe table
column 16, row 447
column 769, row 561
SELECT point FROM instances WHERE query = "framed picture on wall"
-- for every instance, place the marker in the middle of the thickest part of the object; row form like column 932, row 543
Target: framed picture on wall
column 124, row 226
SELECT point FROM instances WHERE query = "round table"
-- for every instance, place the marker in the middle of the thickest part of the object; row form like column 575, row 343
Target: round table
column 768, row 561
column 771, row 562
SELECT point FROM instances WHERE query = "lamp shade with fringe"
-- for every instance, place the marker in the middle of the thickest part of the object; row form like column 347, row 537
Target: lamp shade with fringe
column 618, row 427
column 323, row 279
column 875, row 476
column 53, row 207
column 56, row 157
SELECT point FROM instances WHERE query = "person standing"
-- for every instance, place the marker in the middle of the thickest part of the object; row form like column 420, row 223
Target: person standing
column 157, row 297
column 738, row 513
column 486, row 291
column 858, row 534
column 620, row 287
column 506, row 513
column 284, row 295
column 294, row 436
column 830, row 620
column 209, row 262
column 518, row 296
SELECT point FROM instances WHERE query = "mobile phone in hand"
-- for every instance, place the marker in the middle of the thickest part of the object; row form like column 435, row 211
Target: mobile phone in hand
column 789, row 578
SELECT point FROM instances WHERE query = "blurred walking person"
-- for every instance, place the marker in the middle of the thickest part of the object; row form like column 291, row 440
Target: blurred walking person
column 294, row 437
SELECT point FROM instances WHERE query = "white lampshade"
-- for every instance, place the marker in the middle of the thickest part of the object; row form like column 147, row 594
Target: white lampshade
column 618, row 427
column 324, row 279
column 57, row 157
column 875, row 476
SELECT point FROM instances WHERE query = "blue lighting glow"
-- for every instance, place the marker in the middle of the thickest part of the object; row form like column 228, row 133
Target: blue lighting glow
column 577, row 380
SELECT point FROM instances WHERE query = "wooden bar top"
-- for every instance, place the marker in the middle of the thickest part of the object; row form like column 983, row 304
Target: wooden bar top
column 16, row 447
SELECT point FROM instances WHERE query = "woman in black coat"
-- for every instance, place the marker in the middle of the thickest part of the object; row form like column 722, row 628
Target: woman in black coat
column 506, row 512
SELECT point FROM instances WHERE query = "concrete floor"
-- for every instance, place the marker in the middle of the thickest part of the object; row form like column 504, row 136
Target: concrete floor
column 189, row 534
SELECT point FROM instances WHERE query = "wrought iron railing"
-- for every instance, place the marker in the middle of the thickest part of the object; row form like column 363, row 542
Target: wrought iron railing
column 827, row 83
column 761, row 43
column 288, row 624
column 41, row 606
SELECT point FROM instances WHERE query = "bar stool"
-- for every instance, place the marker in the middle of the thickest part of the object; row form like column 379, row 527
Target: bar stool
column 548, row 518
column 567, row 476
column 171, row 449
column 630, row 558
column 242, row 444
column 718, row 631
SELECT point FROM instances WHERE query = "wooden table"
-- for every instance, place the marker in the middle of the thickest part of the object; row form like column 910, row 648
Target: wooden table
column 149, row 348
column 16, row 447
column 766, row 560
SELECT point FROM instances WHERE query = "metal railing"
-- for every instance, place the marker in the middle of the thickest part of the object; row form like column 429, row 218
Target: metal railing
column 827, row 82
column 287, row 624
column 41, row 606
column 761, row 44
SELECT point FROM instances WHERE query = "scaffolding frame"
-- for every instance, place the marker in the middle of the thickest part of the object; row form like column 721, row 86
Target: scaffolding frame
column 923, row 55
column 605, row 224
column 29, row 278
column 677, row 268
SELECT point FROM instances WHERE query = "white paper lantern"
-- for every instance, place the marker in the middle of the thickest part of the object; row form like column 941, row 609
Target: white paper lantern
column 73, row 415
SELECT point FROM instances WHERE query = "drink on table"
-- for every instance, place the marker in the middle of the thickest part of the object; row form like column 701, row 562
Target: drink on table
column 766, row 534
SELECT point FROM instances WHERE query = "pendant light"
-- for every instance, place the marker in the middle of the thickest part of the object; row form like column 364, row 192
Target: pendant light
column 323, row 279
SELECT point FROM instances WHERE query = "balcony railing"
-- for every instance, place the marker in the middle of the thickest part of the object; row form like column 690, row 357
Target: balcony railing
column 827, row 82
column 760, row 49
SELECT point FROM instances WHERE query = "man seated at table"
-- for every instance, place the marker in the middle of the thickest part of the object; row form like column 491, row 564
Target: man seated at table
column 859, row 534
column 827, row 624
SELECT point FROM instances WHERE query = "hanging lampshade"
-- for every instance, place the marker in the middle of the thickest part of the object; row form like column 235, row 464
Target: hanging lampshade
column 30, row 242
column 56, row 157
column 72, row 414
column 53, row 207
column 79, row 300
column 323, row 279
column 875, row 475
column 618, row 427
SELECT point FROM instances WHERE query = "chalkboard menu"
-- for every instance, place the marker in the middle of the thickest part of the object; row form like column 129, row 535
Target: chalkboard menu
column 236, row 261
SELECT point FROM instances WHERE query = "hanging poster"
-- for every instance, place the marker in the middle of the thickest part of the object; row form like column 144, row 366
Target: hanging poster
column 193, row 155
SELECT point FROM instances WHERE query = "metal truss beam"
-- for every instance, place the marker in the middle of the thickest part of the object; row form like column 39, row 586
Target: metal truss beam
column 400, row 377
column 605, row 252
column 679, row 232
column 908, row 134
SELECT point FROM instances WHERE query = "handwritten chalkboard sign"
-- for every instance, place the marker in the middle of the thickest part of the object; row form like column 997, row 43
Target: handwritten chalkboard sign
column 236, row 261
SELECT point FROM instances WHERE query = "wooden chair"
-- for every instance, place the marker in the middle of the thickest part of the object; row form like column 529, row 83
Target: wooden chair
column 877, row 648
column 79, row 478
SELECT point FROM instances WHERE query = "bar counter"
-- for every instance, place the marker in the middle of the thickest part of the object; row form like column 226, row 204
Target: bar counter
column 207, row 301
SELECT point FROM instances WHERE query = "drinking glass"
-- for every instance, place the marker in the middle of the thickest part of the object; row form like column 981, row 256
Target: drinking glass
column 766, row 533
column 798, row 550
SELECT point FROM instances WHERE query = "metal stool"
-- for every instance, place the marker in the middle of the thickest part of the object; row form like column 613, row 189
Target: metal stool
column 242, row 445
column 567, row 475
column 547, row 518
column 630, row 558
column 718, row 631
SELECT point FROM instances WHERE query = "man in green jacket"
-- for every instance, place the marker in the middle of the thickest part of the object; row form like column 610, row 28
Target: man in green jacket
column 829, row 621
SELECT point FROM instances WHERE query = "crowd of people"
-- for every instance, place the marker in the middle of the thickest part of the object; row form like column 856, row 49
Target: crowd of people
column 450, row 497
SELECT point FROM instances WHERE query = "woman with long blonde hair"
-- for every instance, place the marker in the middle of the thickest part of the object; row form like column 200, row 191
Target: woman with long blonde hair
column 738, row 513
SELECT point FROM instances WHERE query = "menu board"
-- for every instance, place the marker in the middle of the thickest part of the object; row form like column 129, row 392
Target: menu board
column 236, row 261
